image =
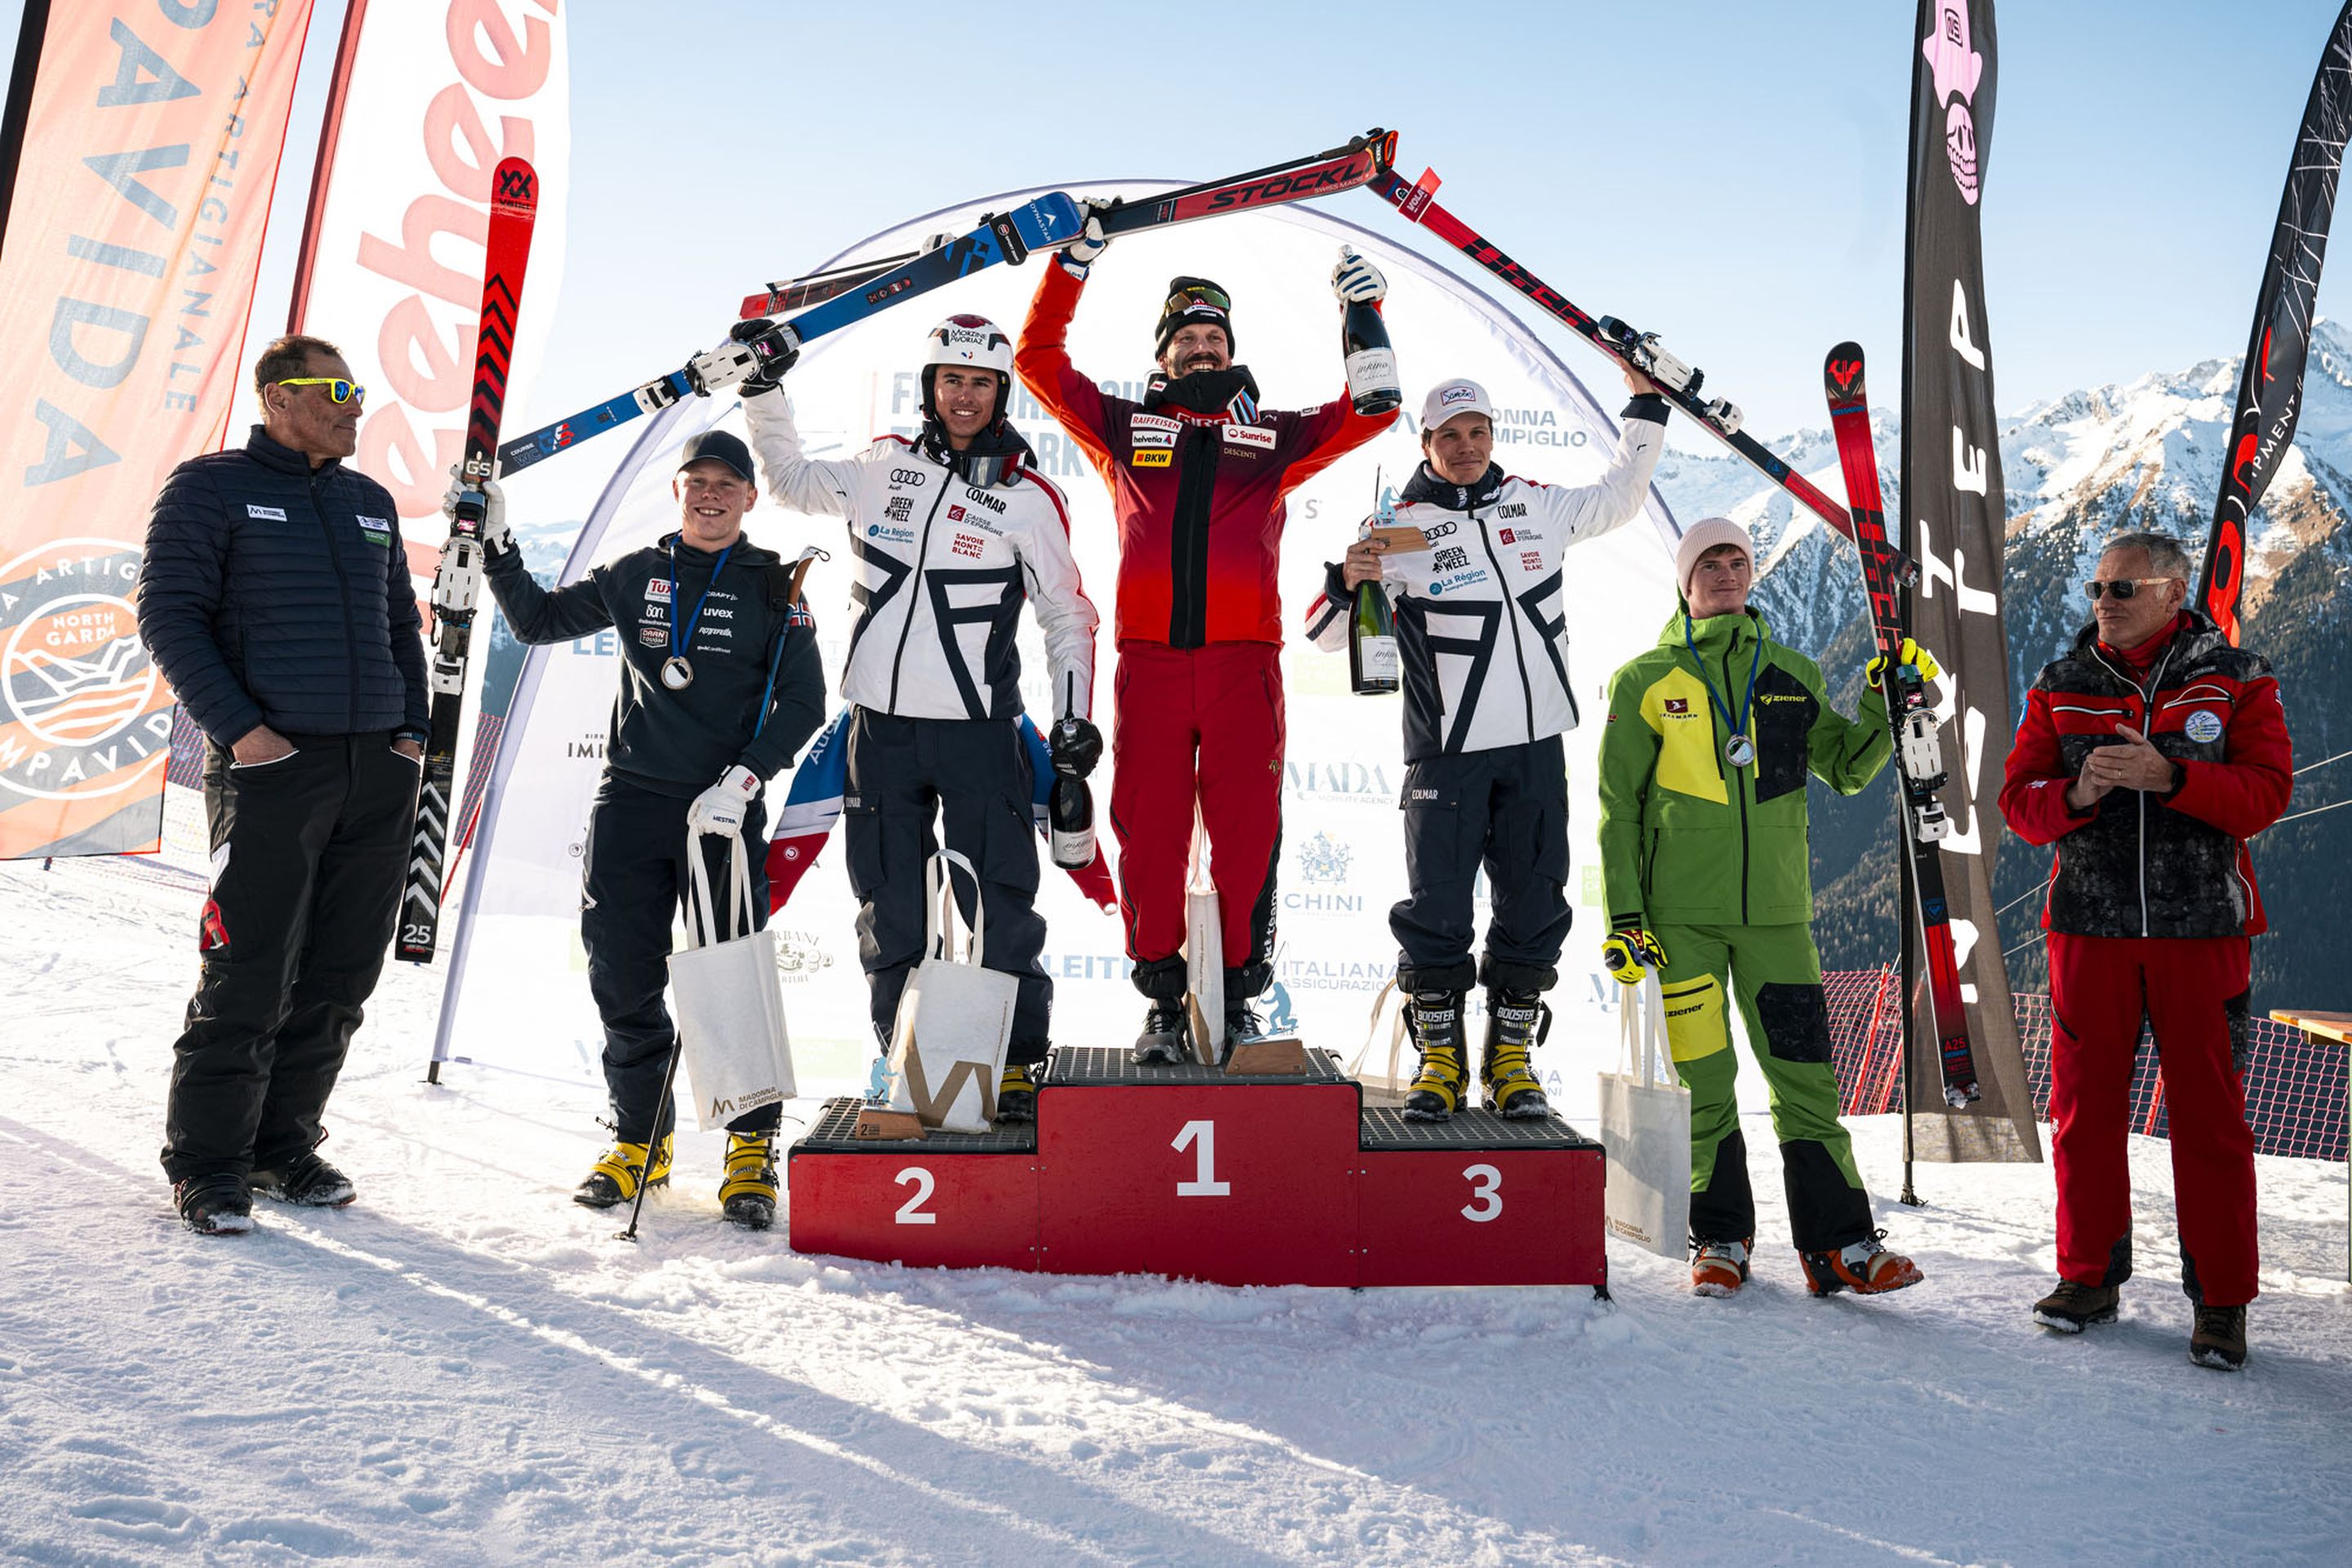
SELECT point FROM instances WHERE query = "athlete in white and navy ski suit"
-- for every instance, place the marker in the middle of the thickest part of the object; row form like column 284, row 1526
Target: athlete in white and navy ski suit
column 1482, row 640
column 945, row 563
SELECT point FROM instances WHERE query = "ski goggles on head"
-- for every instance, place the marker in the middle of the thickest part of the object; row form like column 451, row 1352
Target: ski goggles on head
column 338, row 389
column 2123, row 587
column 1197, row 294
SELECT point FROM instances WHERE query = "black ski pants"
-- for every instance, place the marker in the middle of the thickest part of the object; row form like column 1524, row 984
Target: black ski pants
column 634, row 888
column 1506, row 809
column 308, row 853
column 974, row 775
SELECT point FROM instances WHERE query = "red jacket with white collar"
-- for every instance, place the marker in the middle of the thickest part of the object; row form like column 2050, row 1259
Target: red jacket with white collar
column 1199, row 496
column 2142, row 863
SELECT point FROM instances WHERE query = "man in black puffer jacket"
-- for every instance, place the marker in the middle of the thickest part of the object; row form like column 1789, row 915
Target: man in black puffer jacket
column 275, row 599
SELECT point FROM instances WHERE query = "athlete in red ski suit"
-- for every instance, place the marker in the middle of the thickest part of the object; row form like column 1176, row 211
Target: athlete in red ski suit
column 2150, row 753
column 1198, row 475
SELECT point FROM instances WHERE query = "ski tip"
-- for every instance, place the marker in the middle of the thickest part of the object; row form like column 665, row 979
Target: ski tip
column 1842, row 372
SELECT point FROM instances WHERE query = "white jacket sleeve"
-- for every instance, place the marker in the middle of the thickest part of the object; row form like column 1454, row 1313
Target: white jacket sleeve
column 1066, row 616
column 1591, row 511
column 805, row 484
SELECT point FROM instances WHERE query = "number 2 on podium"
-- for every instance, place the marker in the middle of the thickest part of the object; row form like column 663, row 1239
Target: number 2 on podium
column 1201, row 1137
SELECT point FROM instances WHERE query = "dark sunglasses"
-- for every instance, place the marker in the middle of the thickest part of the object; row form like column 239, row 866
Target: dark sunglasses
column 2123, row 587
column 338, row 389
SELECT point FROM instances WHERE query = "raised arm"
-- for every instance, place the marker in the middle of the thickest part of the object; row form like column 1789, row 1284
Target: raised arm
column 1042, row 359
column 1588, row 511
column 828, row 486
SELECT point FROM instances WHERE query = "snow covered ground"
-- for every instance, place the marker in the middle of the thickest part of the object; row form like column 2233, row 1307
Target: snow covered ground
column 464, row 1367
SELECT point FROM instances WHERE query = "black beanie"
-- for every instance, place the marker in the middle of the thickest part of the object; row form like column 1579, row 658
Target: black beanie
column 1186, row 313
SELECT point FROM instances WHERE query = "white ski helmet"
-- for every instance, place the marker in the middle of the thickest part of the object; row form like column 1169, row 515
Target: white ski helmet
column 973, row 341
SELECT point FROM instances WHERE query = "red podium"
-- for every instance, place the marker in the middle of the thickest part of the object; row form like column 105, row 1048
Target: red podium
column 1185, row 1170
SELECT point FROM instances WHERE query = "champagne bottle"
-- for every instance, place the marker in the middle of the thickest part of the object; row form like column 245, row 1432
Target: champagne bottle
column 1070, row 812
column 1372, row 643
column 1373, row 383
column 1070, row 805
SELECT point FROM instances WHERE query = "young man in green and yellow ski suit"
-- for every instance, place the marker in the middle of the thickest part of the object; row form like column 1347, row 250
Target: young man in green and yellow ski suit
column 1704, row 861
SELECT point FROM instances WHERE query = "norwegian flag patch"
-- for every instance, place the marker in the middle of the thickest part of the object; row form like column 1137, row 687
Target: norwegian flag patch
column 798, row 614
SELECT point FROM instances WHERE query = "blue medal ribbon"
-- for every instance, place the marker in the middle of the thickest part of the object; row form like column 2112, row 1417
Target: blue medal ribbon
column 675, row 650
column 1738, row 726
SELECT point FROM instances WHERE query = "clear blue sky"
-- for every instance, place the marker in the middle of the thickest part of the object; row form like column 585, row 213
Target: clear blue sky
column 1731, row 176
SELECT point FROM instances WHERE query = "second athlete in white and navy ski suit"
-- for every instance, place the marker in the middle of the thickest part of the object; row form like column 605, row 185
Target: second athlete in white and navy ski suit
column 1481, row 639
column 943, row 568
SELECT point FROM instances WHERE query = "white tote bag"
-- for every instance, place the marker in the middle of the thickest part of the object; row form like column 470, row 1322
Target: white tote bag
column 1645, row 1127
column 729, row 1004
column 947, row 1044
column 1205, row 949
column 1385, row 1083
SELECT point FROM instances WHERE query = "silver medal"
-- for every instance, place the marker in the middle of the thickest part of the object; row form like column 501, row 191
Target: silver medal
column 677, row 674
column 1739, row 751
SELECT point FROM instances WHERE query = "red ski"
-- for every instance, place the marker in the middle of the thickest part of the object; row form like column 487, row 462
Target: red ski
column 1918, row 754
column 457, row 584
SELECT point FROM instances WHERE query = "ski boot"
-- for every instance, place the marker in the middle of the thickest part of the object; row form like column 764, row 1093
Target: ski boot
column 1720, row 1267
column 2220, row 1338
column 2072, row 1307
column 616, row 1175
column 305, row 1180
column 1867, row 1268
column 1437, row 1088
column 1016, row 1091
column 746, row 1193
column 214, row 1206
column 1517, row 1022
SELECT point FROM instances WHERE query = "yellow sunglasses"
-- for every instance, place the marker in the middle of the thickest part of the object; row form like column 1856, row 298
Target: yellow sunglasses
column 340, row 390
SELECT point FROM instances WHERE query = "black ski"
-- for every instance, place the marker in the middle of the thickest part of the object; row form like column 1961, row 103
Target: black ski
column 1918, row 754
column 457, row 584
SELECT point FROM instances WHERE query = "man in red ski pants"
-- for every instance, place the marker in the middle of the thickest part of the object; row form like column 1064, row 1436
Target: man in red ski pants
column 1198, row 474
column 2150, row 753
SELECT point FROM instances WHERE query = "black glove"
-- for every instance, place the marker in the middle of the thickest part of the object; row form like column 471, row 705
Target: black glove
column 1077, row 747
column 776, row 349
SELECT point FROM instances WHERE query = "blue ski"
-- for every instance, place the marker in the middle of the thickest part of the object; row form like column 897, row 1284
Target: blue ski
column 1052, row 219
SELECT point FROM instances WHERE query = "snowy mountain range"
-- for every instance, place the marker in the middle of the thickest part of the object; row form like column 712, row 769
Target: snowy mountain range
column 2077, row 470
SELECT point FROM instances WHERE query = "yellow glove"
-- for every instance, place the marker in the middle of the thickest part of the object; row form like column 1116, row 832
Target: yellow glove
column 1630, row 953
column 1911, row 654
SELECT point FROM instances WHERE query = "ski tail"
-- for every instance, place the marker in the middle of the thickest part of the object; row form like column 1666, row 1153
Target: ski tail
column 457, row 584
column 817, row 287
column 1910, row 716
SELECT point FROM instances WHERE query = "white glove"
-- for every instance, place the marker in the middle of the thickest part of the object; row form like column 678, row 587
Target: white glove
column 1090, row 244
column 497, row 538
column 1355, row 280
column 719, row 809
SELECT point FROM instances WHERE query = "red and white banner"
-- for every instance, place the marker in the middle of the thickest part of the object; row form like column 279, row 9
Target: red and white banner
column 134, row 234
column 432, row 94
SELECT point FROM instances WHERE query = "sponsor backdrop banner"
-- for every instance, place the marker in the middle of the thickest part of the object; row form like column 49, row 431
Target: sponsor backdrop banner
column 518, row 994
column 1951, row 494
column 151, row 137
column 434, row 95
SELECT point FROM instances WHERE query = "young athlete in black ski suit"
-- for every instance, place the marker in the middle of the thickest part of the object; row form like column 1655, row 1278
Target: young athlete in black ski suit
column 719, row 682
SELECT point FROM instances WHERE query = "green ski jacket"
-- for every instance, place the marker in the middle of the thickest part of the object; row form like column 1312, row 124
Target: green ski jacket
column 1688, row 838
